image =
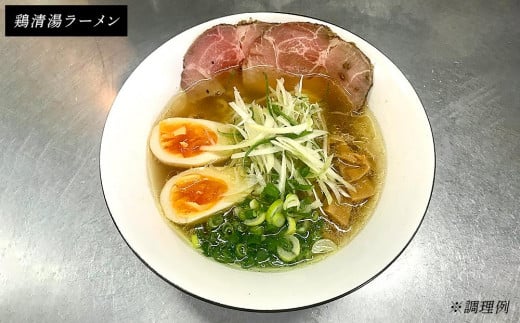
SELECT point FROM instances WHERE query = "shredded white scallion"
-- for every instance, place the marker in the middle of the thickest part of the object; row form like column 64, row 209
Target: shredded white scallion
column 284, row 135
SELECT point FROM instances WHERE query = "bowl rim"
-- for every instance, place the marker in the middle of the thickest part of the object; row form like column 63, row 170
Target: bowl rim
column 325, row 301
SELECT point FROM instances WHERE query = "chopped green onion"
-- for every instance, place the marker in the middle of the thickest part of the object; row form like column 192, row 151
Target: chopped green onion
column 214, row 237
column 254, row 204
column 291, row 200
column 304, row 171
column 291, row 226
column 296, row 186
column 246, row 214
column 195, row 241
column 248, row 263
column 304, row 227
column 291, row 253
column 225, row 256
column 227, row 229
column 255, row 221
column 278, row 219
column 271, row 191
column 241, row 250
column 262, row 255
column 324, row 246
column 215, row 221
column 274, row 208
column 252, row 240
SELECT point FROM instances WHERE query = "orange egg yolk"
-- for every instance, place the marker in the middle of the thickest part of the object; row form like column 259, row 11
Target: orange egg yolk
column 185, row 138
column 196, row 193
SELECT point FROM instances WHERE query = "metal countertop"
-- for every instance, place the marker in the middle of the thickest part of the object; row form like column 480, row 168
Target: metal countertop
column 62, row 259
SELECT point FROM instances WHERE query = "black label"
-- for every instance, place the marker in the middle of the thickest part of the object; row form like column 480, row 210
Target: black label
column 66, row 20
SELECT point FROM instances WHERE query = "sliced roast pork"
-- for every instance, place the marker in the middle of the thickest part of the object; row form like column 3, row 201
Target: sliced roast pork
column 306, row 48
column 219, row 48
column 295, row 47
column 249, row 32
column 298, row 48
column 351, row 68
column 215, row 50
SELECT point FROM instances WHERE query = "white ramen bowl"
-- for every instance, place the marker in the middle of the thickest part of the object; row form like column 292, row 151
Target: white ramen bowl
column 399, row 212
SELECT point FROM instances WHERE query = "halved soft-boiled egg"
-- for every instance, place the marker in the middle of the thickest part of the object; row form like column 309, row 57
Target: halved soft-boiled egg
column 179, row 142
column 195, row 194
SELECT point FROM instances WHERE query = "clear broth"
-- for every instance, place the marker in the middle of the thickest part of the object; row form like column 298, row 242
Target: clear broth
column 208, row 100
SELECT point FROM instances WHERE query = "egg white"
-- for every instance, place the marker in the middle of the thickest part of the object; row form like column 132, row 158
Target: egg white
column 239, row 187
column 204, row 158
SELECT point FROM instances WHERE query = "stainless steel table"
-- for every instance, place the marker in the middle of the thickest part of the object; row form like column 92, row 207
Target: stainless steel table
column 62, row 259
